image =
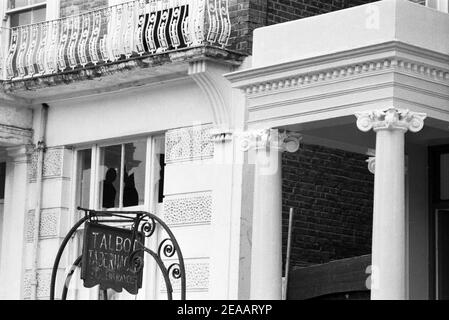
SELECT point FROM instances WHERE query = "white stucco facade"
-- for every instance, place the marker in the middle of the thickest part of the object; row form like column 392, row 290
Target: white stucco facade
column 222, row 127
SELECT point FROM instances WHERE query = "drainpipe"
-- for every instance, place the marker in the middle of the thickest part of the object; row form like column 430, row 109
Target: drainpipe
column 37, row 212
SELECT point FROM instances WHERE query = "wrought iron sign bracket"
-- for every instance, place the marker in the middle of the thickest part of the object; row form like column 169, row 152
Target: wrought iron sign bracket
column 126, row 249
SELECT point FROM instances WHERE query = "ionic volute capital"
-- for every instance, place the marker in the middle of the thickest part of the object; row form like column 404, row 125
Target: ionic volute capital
column 391, row 119
column 372, row 164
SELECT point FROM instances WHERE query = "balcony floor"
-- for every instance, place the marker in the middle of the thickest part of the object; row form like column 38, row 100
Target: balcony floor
column 114, row 76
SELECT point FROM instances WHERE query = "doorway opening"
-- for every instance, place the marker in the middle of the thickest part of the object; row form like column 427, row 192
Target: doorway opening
column 331, row 192
column 439, row 222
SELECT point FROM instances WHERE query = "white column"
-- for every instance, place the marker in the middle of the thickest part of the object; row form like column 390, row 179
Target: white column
column 12, row 261
column 389, row 241
column 266, row 252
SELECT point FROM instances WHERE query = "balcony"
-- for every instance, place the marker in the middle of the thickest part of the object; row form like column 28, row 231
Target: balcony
column 116, row 37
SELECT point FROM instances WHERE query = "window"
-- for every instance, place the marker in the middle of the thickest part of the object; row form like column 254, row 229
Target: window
column 84, row 178
column 23, row 12
column 119, row 176
column 116, row 176
column 442, row 5
column 123, row 170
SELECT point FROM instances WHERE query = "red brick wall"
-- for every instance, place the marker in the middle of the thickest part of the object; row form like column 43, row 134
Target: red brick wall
column 287, row 10
column 248, row 15
column 332, row 193
column 71, row 7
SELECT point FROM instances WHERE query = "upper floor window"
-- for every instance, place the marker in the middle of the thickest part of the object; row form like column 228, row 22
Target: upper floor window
column 442, row 5
column 24, row 12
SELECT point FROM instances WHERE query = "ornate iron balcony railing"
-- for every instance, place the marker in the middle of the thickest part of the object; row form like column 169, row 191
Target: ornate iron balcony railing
column 116, row 33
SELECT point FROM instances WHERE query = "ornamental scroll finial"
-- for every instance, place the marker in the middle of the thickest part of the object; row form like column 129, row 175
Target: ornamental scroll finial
column 372, row 165
column 391, row 119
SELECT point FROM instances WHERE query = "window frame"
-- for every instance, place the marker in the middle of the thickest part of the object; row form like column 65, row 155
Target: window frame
column 52, row 10
column 441, row 5
column 99, row 178
column 30, row 7
column 150, row 197
column 151, row 193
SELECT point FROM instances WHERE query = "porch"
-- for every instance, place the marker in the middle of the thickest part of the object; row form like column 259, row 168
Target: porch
column 380, row 89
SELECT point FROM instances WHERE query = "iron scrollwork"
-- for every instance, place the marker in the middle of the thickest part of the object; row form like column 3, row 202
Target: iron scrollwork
column 144, row 225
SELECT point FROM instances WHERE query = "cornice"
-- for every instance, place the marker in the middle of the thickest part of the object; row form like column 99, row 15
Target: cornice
column 350, row 71
column 388, row 57
column 239, row 77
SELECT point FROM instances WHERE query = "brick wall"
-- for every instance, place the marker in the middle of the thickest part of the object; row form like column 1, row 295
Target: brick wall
column 71, row 7
column 332, row 193
column 248, row 15
column 286, row 10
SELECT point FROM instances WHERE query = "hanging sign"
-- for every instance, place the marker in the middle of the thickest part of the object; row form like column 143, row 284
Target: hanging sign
column 106, row 259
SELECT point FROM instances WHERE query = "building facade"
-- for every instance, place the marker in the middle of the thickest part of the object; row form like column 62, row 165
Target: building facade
column 220, row 116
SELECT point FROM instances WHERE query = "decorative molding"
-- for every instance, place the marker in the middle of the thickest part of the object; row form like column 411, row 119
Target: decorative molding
column 391, row 119
column 43, row 284
column 221, row 136
column 48, row 227
column 271, row 139
column 189, row 144
column 53, row 163
column 15, row 136
column 372, row 165
column 19, row 154
column 210, row 80
column 197, row 278
column 27, row 284
column 348, row 71
column 195, row 208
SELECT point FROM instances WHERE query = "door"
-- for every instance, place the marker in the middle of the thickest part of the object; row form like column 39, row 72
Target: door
column 439, row 221
column 442, row 254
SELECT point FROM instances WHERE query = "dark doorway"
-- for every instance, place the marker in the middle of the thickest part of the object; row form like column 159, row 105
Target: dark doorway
column 442, row 254
column 439, row 222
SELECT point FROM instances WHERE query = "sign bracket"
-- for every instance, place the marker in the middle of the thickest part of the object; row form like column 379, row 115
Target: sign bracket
column 125, row 249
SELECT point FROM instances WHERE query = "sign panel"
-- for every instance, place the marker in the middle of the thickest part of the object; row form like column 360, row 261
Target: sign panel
column 106, row 260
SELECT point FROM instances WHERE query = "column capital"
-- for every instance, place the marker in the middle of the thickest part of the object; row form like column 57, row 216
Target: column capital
column 372, row 165
column 271, row 139
column 391, row 119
